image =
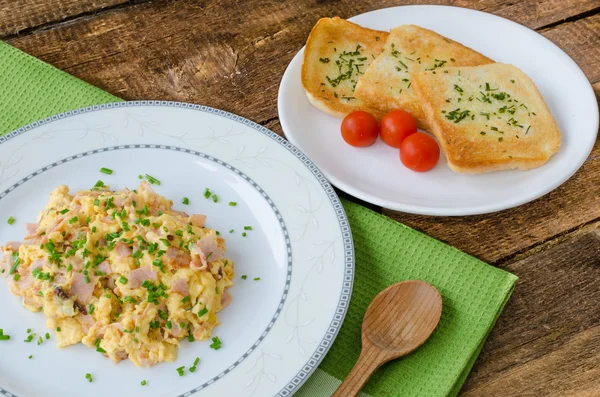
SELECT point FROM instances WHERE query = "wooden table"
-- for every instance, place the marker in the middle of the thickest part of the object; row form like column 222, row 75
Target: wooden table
column 231, row 55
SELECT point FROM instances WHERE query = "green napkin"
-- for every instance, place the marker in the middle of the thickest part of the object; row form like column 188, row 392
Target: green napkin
column 474, row 293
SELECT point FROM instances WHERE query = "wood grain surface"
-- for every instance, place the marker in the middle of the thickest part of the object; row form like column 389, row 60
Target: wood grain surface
column 232, row 54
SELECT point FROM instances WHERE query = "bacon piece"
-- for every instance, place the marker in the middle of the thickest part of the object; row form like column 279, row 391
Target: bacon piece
column 198, row 258
column 180, row 286
column 122, row 251
column 198, row 220
column 177, row 258
column 105, row 268
column 86, row 322
column 31, row 230
column 208, row 245
column 138, row 276
column 176, row 329
column 82, row 289
column 225, row 299
column 13, row 245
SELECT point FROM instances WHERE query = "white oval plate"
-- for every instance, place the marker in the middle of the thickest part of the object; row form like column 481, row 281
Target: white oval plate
column 375, row 174
column 276, row 330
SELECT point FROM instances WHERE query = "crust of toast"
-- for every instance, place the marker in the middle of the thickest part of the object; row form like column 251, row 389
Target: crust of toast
column 332, row 44
column 410, row 49
column 488, row 118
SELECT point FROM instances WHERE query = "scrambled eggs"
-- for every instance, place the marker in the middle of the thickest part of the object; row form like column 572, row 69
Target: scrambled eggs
column 121, row 272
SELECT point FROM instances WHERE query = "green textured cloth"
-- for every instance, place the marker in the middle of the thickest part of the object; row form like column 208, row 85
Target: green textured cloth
column 474, row 293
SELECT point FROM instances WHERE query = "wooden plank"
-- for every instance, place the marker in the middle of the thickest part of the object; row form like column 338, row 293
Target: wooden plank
column 19, row 15
column 196, row 56
column 35, row 13
column 581, row 40
column 547, row 341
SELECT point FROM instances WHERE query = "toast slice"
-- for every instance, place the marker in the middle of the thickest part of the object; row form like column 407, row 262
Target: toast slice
column 488, row 118
column 410, row 49
column 337, row 54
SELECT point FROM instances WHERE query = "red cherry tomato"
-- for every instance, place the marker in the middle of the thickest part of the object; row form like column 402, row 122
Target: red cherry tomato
column 396, row 126
column 360, row 129
column 419, row 152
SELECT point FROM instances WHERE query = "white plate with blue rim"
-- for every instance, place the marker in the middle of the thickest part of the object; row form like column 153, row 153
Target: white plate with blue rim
column 275, row 331
column 375, row 174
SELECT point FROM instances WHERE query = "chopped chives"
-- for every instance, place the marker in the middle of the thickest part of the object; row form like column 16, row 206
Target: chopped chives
column 185, row 201
column 91, row 308
column 244, row 234
column 16, row 261
column 97, row 202
column 58, row 329
column 4, row 337
column 100, row 350
column 143, row 383
column 231, row 231
column 181, row 370
column 244, row 277
column 185, row 299
column 123, row 280
column 47, row 335
column 11, row 220
column 17, row 277
column 216, row 345
column 206, row 193
column 247, row 227
column 192, row 369
column 196, row 361
column 30, row 357
column 99, row 184
column 232, row 203
column 202, row 312
column 106, row 171
column 73, row 220
column 28, row 330
column 64, row 211
column 256, row 278
column 40, row 340
column 152, row 180
column 169, row 325
column 89, row 377
column 215, row 198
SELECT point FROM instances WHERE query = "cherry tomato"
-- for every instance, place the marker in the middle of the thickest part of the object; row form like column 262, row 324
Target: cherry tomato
column 419, row 152
column 396, row 126
column 360, row 129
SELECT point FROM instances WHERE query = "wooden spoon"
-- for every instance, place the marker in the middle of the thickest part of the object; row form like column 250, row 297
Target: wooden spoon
column 399, row 320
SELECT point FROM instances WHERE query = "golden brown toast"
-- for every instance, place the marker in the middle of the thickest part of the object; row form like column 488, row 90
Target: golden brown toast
column 410, row 49
column 488, row 118
column 337, row 54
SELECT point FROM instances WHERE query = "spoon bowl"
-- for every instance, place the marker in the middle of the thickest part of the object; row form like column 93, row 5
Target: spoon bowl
column 398, row 321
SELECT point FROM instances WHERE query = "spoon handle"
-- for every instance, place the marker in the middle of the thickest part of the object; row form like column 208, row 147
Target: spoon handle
column 370, row 359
